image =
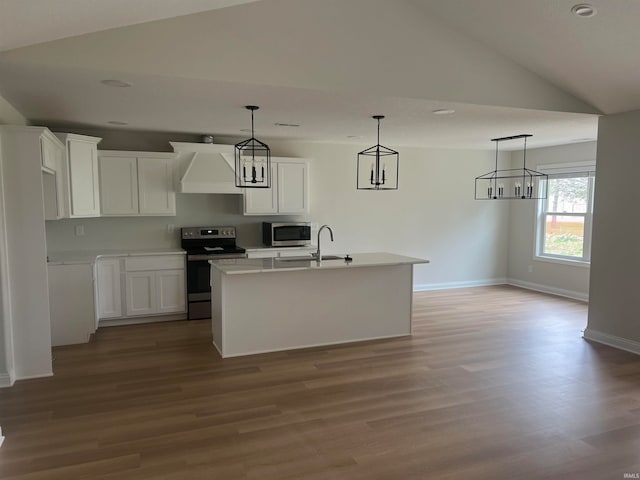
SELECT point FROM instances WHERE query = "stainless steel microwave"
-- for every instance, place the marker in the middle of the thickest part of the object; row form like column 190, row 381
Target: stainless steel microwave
column 286, row 234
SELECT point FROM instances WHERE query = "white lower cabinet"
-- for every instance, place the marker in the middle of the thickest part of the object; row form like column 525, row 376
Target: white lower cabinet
column 170, row 291
column 108, row 289
column 71, row 304
column 150, row 285
column 141, row 293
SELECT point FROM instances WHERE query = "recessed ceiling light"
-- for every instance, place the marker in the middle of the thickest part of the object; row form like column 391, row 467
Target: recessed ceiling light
column 116, row 83
column 443, row 111
column 583, row 10
column 117, row 122
column 286, row 124
column 353, row 136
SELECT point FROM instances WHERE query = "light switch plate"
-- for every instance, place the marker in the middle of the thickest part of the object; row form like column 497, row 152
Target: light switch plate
column 79, row 230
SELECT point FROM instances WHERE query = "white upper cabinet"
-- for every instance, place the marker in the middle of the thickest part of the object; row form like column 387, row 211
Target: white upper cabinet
column 137, row 183
column 119, row 185
column 52, row 159
column 293, row 196
column 289, row 192
column 263, row 201
column 78, row 183
column 50, row 153
column 155, row 186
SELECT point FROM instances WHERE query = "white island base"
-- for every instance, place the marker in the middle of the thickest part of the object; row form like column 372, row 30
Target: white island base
column 266, row 305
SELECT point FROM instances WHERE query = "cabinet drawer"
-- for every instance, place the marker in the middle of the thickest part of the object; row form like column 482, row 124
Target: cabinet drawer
column 154, row 262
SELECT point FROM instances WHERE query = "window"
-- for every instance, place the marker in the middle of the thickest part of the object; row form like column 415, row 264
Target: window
column 564, row 218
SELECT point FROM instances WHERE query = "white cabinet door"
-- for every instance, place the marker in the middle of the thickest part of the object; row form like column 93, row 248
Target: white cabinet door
column 170, row 290
column 262, row 201
column 141, row 297
column 108, row 288
column 292, row 188
column 83, row 178
column 71, row 304
column 155, row 186
column 118, row 185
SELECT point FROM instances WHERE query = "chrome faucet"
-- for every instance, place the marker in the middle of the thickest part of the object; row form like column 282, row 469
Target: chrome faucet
column 318, row 257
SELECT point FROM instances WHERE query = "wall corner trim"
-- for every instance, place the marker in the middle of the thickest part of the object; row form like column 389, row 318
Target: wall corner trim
column 547, row 289
column 612, row 341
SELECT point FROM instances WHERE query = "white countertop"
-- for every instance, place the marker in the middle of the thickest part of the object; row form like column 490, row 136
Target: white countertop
column 265, row 265
column 90, row 256
column 263, row 248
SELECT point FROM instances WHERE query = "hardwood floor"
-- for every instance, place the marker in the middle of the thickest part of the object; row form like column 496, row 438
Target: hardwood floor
column 495, row 383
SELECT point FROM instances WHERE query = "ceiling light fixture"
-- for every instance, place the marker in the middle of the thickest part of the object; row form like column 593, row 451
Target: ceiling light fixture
column 584, row 10
column 443, row 111
column 253, row 160
column 521, row 183
column 117, row 122
column 116, row 83
column 286, row 124
column 383, row 173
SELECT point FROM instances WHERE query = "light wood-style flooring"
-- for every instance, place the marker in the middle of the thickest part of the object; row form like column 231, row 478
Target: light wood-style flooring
column 495, row 383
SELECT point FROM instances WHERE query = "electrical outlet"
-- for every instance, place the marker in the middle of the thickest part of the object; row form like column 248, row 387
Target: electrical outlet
column 171, row 228
column 79, row 230
column 530, row 268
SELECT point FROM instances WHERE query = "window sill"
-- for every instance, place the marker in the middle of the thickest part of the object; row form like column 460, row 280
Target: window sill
column 562, row 261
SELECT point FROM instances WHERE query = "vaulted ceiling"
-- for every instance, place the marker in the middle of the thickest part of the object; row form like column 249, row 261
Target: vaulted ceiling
column 504, row 66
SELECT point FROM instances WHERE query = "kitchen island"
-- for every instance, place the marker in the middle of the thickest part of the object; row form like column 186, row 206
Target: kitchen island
column 272, row 304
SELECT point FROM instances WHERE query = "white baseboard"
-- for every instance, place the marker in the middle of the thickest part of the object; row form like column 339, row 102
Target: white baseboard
column 6, row 380
column 473, row 283
column 31, row 377
column 547, row 289
column 109, row 322
column 612, row 341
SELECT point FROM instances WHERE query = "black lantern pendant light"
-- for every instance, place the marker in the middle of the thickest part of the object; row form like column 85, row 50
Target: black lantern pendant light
column 382, row 174
column 514, row 183
column 253, row 161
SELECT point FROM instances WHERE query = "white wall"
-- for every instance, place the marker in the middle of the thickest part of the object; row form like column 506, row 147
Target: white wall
column 554, row 277
column 615, row 254
column 9, row 115
column 6, row 333
column 26, row 248
column 433, row 215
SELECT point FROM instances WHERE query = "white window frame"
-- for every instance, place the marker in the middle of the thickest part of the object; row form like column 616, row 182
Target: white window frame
column 540, row 224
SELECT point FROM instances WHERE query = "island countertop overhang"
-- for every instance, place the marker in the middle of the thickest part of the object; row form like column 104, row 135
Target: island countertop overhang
column 272, row 265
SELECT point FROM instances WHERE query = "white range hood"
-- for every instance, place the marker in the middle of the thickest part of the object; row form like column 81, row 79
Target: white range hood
column 206, row 168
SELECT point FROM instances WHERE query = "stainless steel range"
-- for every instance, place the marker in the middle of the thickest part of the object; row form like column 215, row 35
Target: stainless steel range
column 203, row 244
